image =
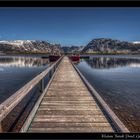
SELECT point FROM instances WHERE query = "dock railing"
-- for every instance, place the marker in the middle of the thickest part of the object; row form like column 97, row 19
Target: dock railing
column 115, row 122
column 8, row 105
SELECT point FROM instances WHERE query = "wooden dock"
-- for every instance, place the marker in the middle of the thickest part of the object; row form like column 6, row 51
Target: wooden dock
column 68, row 106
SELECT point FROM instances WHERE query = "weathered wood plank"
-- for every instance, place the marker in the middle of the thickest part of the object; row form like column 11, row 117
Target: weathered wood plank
column 68, row 106
column 70, row 102
column 64, row 107
column 70, row 129
column 47, row 109
column 68, row 112
column 66, row 125
column 71, row 119
column 68, row 99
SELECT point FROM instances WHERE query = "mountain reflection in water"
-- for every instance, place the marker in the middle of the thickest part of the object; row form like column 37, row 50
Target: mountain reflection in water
column 105, row 62
column 22, row 62
column 15, row 72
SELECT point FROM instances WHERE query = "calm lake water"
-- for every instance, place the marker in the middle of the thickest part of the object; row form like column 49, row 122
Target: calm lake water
column 117, row 80
column 15, row 72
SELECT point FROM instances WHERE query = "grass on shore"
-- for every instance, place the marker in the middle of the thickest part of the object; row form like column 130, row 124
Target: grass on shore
column 106, row 53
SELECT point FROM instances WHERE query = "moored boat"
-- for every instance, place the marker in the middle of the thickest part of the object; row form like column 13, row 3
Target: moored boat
column 75, row 58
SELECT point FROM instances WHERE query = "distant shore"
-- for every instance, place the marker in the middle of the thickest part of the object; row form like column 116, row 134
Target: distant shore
column 92, row 53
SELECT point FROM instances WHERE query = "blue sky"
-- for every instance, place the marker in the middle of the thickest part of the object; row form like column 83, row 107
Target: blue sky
column 69, row 26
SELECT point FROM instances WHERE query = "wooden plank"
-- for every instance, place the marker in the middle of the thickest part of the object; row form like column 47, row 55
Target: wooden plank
column 73, row 119
column 70, row 116
column 67, row 125
column 70, row 130
column 69, row 112
column 70, row 102
column 45, row 104
column 68, row 99
column 68, row 106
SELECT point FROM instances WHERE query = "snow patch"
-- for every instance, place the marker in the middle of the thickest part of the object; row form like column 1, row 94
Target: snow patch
column 136, row 42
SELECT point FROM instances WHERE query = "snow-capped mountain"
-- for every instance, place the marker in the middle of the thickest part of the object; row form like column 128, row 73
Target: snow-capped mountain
column 111, row 46
column 33, row 46
column 96, row 45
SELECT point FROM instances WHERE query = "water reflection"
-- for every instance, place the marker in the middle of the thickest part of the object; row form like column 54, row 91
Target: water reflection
column 15, row 71
column 117, row 80
column 22, row 61
column 112, row 62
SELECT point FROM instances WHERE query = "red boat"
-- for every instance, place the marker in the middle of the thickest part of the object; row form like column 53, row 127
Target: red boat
column 53, row 58
column 75, row 58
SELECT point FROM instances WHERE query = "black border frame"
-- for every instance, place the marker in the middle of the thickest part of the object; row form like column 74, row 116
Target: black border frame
column 83, row 136
column 66, row 3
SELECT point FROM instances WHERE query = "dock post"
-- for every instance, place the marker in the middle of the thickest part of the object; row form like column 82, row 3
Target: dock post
column 54, row 68
column 50, row 73
column 42, row 85
column 1, row 130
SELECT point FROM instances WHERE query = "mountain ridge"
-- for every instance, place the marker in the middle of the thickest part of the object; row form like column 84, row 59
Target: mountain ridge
column 32, row 46
column 97, row 45
column 108, row 45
